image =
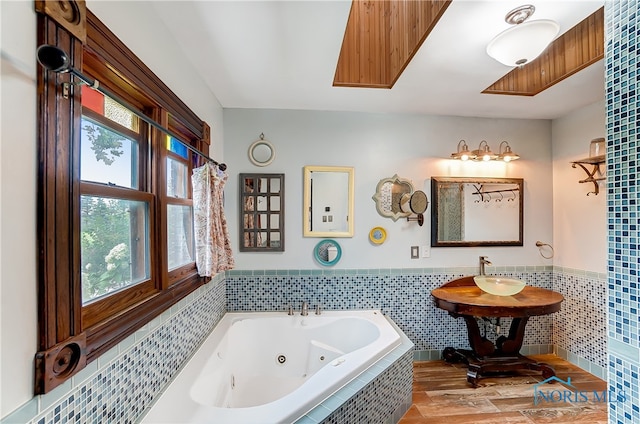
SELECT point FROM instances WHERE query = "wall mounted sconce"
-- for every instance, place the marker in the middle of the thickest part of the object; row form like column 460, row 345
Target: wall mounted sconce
column 507, row 155
column 463, row 152
column 484, row 153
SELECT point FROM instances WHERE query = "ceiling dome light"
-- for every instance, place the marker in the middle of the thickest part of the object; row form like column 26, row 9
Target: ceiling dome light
column 523, row 42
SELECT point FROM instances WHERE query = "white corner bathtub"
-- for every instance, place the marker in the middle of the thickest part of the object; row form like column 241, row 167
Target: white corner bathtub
column 269, row 367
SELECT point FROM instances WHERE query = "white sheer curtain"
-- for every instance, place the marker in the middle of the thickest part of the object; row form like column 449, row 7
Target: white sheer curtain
column 213, row 247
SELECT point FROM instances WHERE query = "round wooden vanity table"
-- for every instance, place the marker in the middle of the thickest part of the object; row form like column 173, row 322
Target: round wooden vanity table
column 462, row 298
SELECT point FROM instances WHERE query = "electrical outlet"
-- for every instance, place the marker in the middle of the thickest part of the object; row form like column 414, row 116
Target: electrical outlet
column 414, row 252
column 426, row 251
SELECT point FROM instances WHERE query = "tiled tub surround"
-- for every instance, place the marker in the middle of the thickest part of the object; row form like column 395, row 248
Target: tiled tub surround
column 622, row 42
column 382, row 394
column 235, row 378
column 404, row 295
column 580, row 328
column 121, row 384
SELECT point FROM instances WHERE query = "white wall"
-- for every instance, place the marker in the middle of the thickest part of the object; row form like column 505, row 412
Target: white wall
column 18, row 162
column 579, row 221
column 379, row 146
column 18, row 313
column 143, row 31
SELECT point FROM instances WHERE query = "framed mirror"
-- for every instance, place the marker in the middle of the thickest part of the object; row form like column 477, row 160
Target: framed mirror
column 390, row 192
column 328, row 201
column 476, row 211
column 261, row 152
column 327, row 252
column 261, row 212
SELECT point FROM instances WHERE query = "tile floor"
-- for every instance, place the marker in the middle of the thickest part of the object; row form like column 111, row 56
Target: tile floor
column 442, row 395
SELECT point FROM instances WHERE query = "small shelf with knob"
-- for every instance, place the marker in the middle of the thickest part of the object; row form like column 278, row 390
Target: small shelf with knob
column 591, row 166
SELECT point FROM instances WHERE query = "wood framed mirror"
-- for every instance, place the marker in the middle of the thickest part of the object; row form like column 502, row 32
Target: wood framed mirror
column 328, row 201
column 261, row 212
column 476, row 212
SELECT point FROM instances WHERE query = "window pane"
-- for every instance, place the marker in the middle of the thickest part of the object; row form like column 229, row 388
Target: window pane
column 179, row 235
column 177, row 147
column 176, row 179
column 114, row 248
column 105, row 106
column 107, row 157
column 120, row 114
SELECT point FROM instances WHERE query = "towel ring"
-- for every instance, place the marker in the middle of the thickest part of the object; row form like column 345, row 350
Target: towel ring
column 540, row 245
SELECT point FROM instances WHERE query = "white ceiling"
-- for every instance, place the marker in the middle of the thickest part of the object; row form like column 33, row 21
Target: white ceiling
column 283, row 54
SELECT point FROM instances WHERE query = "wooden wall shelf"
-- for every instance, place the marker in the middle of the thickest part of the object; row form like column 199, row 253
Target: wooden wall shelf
column 591, row 166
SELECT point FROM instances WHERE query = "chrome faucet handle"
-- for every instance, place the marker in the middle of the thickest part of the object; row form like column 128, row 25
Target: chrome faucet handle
column 318, row 311
column 290, row 311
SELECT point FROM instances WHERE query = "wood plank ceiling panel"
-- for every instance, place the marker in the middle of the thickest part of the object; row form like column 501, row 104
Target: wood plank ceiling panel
column 573, row 51
column 381, row 38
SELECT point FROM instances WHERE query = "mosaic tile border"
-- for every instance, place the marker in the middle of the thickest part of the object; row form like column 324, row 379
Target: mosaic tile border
column 119, row 385
column 459, row 271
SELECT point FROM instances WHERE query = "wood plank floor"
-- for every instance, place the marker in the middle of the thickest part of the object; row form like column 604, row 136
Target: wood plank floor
column 441, row 395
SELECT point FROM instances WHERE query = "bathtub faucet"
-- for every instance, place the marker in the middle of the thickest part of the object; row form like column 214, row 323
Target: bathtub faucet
column 305, row 309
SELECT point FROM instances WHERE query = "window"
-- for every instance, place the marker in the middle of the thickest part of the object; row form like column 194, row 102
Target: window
column 115, row 211
column 115, row 208
column 180, row 241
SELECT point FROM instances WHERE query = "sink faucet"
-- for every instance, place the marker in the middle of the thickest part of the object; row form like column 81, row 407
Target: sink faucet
column 483, row 262
column 305, row 309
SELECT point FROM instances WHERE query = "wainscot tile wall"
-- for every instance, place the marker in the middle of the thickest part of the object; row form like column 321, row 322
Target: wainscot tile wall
column 402, row 294
column 622, row 42
column 580, row 328
column 120, row 385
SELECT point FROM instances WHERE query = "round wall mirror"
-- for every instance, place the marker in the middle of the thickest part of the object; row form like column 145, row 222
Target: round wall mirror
column 261, row 152
column 416, row 203
column 327, row 252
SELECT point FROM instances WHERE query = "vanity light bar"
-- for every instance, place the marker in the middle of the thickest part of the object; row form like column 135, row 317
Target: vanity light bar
column 484, row 153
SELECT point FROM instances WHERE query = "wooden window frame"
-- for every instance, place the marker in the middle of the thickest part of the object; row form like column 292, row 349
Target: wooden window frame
column 71, row 335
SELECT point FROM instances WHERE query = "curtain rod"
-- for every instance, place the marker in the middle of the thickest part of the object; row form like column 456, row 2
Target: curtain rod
column 55, row 59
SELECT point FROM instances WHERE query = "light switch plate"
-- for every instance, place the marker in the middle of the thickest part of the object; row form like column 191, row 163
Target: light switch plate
column 415, row 252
